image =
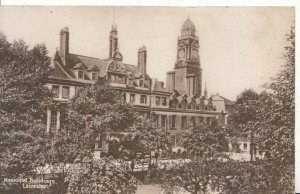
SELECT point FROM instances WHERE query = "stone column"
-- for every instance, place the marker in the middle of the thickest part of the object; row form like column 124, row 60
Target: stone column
column 48, row 120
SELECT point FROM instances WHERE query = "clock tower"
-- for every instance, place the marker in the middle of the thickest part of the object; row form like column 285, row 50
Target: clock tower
column 188, row 73
column 188, row 46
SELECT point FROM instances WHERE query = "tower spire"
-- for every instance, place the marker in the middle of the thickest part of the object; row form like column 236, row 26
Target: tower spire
column 205, row 91
column 113, row 40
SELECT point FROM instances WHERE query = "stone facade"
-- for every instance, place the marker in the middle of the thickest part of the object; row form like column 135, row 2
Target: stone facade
column 175, row 106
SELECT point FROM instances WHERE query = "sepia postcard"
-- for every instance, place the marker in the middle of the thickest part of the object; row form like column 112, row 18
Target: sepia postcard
column 147, row 99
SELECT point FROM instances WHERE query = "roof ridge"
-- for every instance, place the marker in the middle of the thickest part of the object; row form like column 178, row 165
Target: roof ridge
column 226, row 99
column 85, row 56
column 130, row 64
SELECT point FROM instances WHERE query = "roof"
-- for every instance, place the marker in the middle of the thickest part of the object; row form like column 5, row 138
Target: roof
column 188, row 24
column 188, row 27
column 219, row 98
column 158, row 86
column 228, row 102
column 88, row 62
column 57, row 72
column 75, row 61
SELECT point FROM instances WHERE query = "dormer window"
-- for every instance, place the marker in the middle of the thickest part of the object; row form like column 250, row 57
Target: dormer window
column 130, row 82
column 94, row 76
column 141, row 83
column 80, row 74
column 112, row 78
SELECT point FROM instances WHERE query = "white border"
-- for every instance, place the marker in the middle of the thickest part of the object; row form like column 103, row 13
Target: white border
column 294, row 3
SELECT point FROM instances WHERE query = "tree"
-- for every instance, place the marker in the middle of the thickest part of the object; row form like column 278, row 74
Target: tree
column 204, row 145
column 271, row 117
column 102, row 176
column 98, row 111
column 278, row 108
column 93, row 112
column 24, row 145
column 146, row 137
column 276, row 131
column 244, row 117
column 23, row 101
column 240, row 177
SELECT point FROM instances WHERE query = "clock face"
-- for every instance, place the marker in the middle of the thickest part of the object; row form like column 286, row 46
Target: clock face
column 181, row 54
column 195, row 54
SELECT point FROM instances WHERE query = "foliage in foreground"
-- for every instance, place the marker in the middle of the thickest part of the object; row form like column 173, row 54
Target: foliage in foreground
column 104, row 175
column 23, row 101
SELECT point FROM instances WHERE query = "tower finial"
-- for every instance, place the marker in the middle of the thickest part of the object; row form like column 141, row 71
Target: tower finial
column 114, row 17
column 114, row 25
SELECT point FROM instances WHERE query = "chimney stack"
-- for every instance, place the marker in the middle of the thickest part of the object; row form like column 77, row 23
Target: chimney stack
column 142, row 60
column 64, row 44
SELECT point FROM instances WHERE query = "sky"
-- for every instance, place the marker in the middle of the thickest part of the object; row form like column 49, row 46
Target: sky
column 240, row 47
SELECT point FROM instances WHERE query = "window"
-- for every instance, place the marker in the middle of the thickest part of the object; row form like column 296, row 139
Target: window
column 163, row 120
column 245, row 146
column 53, row 121
column 141, row 83
column 143, row 99
column 157, row 100
column 164, row 101
column 80, row 74
column 173, row 124
column 112, row 78
column 65, row 92
column 183, row 122
column 200, row 119
column 193, row 120
column 208, row 120
column 94, row 76
column 132, row 98
column 120, row 79
column 55, row 91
